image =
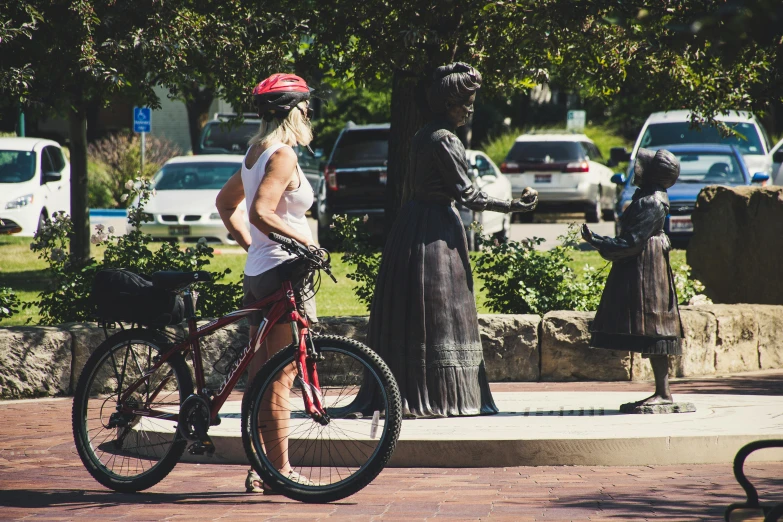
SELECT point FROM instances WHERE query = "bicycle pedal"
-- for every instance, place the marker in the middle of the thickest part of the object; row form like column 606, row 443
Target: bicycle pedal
column 202, row 448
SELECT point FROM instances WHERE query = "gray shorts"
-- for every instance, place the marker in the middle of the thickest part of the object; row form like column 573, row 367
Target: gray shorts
column 259, row 286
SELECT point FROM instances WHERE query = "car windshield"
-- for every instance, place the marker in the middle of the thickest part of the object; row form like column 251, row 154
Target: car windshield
column 544, row 152
column 194, row 176
column 16, row 166
column 710, row 168
column 228, row 138
column 746, row 139
column 362, row 148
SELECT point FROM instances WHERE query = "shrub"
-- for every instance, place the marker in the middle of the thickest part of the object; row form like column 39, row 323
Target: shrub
column 9, row 303
column 519, row 279
column 67, row 298
column 354, row 241
column 689, row 290
column 120, row 155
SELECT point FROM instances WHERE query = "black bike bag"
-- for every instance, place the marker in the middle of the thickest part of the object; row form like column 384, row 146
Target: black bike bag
column 120, row 295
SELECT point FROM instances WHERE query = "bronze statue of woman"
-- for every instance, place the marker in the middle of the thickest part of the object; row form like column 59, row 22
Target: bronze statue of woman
column 423, row 319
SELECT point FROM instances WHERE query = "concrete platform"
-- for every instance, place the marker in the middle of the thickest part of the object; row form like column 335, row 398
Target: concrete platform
column 567, row 428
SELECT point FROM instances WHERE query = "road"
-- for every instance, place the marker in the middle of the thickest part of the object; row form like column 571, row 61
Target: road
column 548, row 227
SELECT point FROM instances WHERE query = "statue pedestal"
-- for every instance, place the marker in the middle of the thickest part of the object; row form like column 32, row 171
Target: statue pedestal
column 675, row 407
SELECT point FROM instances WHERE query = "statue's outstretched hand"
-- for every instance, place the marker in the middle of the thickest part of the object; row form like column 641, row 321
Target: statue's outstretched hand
column 587, row 234
column 527, row 202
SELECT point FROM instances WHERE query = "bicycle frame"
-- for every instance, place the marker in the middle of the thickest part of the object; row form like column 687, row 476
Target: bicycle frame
column 283, row 302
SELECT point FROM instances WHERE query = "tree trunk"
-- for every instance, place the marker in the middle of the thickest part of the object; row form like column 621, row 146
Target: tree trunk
column 80, row 240
column 406, row 119
column 198, row 101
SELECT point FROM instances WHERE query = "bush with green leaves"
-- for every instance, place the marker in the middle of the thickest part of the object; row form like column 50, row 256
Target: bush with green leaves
column 9, row 303
column 519, row 279
column 116, row 159
column 353, row 240
column 67, row 298
column 689, row 290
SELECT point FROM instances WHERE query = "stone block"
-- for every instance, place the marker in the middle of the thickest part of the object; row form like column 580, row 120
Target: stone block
column 737, row 341
column 770, row 320
column 737, row 243
column 34, row 362
column 222, row 345
column 85, row 338
column 354, row 327
column 510, row 345
column 566, row 355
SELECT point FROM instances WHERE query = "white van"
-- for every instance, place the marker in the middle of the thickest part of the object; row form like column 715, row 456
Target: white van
column 674, row 128
column 35, row 182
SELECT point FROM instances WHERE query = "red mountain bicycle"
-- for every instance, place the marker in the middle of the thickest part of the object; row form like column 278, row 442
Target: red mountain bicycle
column 136, row 408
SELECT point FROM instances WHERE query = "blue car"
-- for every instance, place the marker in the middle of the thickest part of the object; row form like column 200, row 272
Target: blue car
column 700, row 166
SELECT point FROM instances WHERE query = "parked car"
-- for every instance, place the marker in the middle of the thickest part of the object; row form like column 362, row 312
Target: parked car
column 183, row 204
column 674, row 128
column 487, row 177
column 355, row 185
column 35, row 182
column 777, row 163
column 566, row 170
column 221, row 135
column 700, row 165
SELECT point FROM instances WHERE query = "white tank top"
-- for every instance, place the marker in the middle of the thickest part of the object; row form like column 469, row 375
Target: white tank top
column 264, row 254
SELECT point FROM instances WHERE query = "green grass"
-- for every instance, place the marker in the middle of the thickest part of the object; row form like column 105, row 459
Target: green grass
column 23, row 272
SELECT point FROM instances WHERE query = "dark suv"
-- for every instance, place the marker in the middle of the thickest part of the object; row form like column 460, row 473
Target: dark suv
column 221, row 137
column 355, row 178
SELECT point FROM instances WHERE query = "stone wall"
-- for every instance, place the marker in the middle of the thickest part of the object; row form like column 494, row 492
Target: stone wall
column 719, row 339
column 737, row 244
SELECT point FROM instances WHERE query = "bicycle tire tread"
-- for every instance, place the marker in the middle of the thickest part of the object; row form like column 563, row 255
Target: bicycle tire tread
column 393, row 420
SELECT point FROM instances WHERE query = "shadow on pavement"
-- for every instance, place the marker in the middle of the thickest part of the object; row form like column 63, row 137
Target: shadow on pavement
column 736, row 385
column 80, row 498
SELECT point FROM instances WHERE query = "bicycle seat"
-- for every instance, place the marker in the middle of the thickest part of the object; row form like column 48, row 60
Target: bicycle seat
column 171, row 279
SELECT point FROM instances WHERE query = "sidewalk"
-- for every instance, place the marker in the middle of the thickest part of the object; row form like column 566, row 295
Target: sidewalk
column 41, row 477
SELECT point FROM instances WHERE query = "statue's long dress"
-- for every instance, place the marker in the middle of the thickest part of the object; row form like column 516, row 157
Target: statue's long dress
column 423, row 320
column 638, row 309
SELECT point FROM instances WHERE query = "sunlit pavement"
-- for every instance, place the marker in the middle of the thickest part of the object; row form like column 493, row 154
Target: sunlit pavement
column 42, row 478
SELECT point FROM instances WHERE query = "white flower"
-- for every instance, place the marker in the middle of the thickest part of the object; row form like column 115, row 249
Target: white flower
column 124, row 198
column 99, row 228
column 366, row 218
column 699, row 299
column 154, row 191
column 111, row 230
column 202, row 241
column 129, row 184
column 94, row 239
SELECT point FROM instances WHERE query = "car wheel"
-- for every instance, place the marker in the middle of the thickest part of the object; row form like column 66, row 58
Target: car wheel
column 502, row 235
column 524, row 217
column 608, row 214
column 593, row 212
column 42, row 219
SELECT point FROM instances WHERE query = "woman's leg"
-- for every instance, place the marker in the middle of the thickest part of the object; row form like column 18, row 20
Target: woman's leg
column 275, row 414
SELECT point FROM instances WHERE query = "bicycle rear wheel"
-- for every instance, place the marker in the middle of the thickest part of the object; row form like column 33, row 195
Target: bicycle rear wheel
column 323, row 463
column 124, row 451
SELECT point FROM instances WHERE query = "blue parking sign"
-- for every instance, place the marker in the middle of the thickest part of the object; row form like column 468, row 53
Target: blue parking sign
column 142, row 119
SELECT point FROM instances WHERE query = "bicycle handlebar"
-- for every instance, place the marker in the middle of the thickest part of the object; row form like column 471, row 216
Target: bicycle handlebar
column 298, row 249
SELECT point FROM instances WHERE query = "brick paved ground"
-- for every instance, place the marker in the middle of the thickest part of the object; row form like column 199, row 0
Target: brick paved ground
column 42, row 478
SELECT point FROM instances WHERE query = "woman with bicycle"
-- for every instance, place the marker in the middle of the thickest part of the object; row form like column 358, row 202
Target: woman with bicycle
column 277, row 195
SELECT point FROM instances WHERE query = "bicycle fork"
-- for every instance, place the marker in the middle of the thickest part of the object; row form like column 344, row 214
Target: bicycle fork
column 307, row 378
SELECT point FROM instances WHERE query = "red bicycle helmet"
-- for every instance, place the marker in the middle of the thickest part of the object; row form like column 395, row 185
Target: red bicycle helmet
column 278, row 94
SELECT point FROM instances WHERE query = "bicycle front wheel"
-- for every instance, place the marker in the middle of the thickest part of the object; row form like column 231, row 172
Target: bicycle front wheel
column 313, row 461
column 123, row 450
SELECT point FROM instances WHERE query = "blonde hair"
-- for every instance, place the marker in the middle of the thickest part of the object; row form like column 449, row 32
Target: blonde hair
column 292, row 129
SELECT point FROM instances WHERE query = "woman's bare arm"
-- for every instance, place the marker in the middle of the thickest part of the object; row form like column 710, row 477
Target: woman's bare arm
column 227, row 202
column 280, row 175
